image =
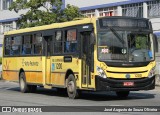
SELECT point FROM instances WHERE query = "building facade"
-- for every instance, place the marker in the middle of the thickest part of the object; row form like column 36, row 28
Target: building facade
column 92, row 8
column 7, row 19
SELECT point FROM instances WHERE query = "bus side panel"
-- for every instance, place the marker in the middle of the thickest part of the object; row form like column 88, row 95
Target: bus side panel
column 32, row 67
column 59, row 68
column 10, row 71
column 58, row 79
column 34, row 77
column 10, row 75
column 39, row 77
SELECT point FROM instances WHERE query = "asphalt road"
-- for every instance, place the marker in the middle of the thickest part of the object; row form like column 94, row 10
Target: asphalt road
column 11, row 96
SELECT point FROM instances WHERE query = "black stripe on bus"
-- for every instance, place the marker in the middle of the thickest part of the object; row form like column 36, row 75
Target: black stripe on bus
column 39, row 84
column 24, row 71
column 65, row 72
column 37, row 71
column 127, row 72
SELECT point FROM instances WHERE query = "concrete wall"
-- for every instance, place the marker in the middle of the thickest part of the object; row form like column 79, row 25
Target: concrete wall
column 8, row 15
column 155, row 24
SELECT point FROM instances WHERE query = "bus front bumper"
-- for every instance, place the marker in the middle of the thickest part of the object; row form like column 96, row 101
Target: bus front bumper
column 107, row 84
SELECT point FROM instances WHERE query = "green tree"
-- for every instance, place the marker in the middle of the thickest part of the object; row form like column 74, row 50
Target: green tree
column 141, row 42
column 39, row 14
column 71, row 12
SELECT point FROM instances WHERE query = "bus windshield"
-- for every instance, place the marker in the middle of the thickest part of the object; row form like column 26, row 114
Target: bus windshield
column 136, row 47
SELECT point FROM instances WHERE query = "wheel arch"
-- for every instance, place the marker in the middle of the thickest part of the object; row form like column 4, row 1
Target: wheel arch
column 20, row 71
column 68, row 72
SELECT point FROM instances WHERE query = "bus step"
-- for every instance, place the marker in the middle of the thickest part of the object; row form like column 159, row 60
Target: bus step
column 47, row 87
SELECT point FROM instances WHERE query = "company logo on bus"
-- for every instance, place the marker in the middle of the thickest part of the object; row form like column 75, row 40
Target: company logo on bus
column 128, row 76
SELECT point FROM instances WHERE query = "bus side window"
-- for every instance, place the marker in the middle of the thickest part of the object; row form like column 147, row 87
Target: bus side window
column 16, row 45
column 7, row 46
column 70, row 41
column 26, row 47
column 58, row 42
column 37, row 44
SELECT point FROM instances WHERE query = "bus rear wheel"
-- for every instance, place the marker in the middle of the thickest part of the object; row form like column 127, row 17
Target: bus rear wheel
column 72, row 91
column 122, row 94
column 24, row 88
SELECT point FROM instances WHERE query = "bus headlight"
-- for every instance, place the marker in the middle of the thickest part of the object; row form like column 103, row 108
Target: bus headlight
column 152, row 72
column 101, row 72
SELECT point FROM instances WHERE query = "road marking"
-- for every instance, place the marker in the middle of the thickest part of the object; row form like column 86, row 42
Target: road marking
column 115, row 105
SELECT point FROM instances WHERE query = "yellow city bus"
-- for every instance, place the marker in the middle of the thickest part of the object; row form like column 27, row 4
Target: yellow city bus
column 94, row 54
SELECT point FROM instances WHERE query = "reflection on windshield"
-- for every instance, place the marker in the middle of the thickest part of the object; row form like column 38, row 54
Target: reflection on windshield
column 135, row 48
column 110, row 47
column 139, row 47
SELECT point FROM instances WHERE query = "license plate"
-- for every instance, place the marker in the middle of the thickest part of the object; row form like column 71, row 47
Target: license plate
column 128, row 83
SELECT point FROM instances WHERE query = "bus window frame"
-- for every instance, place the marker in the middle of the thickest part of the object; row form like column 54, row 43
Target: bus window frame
column 37, row 43
column 30, row 44
column 4, row 46
column 74, row 54
column 22, row 35
column 65, row 40
column 52, row 32
column 16, row 45
column 54, row 41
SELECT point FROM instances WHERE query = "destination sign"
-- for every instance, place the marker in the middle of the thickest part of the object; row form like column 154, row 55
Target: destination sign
column 124, row 22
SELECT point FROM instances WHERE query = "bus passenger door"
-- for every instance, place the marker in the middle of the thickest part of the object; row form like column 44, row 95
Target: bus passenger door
column 86, row 59
column 47, row 52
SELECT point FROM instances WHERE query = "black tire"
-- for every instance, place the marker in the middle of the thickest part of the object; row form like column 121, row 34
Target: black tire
column 122, row 94
column 72, row 91
column 24, row 88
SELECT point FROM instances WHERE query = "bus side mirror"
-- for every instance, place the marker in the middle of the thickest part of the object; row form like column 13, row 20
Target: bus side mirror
column 92, row 39
column 155, row 40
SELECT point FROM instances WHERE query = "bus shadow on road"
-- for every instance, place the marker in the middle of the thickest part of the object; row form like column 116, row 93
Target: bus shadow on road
column 51, row 92
column 111, row 96
column 42, row 91
column 94, row 96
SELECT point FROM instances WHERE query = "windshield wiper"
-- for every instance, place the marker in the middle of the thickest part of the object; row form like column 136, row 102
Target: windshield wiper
column 116, row 34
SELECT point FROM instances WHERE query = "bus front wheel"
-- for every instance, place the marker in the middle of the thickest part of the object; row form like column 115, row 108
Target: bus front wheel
column 122, row 94
column 72, row 91
column 22, row 82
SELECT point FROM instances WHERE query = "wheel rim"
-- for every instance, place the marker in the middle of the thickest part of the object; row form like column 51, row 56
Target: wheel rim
column 71, row 87
column 22, row 84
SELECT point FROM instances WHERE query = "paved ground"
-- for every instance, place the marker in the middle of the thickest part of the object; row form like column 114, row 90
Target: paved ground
column 11, row 96
column 0, row 71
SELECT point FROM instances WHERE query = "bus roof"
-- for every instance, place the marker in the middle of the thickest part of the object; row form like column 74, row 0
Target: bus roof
column 52, row 26
column 63, row 24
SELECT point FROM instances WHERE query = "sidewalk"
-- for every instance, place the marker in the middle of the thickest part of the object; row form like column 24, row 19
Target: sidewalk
column 0, row 72
column 157, row 80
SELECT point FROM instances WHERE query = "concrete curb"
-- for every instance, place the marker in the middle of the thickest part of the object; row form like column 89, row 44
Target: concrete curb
column 0, row 71
column 0, row 75
column 157, row 80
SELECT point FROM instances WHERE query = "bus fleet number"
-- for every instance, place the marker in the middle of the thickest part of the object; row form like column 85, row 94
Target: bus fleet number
column 59, row 66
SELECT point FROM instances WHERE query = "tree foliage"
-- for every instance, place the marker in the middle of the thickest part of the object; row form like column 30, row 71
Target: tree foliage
column 38, row 13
